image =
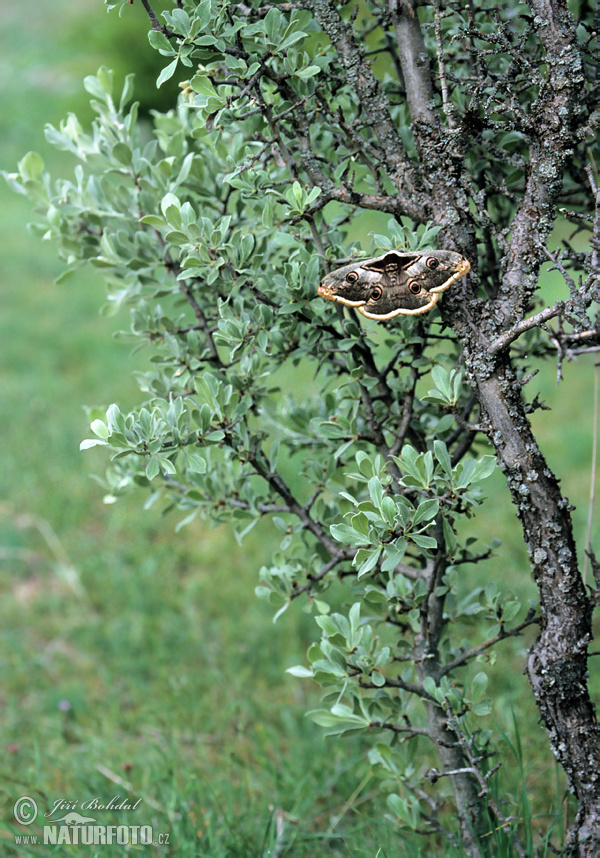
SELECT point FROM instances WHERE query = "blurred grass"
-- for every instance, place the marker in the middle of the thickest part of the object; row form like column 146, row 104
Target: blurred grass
column 136, row 661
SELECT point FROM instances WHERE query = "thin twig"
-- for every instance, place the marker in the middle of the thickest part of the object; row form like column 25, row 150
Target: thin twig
column 446, row 103
column 156, row 25
column 477, row 650
column 588, row 535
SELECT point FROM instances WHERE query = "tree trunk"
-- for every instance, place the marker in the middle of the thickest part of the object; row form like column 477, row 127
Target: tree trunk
column 557, row 667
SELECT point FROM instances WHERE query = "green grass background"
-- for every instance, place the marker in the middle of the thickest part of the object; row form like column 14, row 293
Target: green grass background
column 136, row 661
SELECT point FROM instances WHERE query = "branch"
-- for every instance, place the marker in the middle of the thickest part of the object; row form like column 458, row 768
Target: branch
column 410, row 731
column 374, row 105
column 407, row 409
column 415, row 64
column 156, row 25
column 390, row 682
column 525, row 325
column 396, row 205
column 313, row 579
column 447, row 105
column 563, row 342
column 529, row 620
column 202, row 323
column 483, row 779
column 552, row 136
column 278, row 484
column 595, row 242
column 152, row 15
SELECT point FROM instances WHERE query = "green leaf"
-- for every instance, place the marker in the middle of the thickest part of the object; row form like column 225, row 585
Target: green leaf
column 127, row 93
column 92, row 442
column 298, row 193
column 115, row 419
column 375, row 595
column 479, row 683
column 309, row 71
column 429, row 686
column 442, row 380
column 388, row 509
column 394, row 554
column 300, row 671
column 365, row 463
column 95, row 88
column 202, row 14
column 426, row 510
column 180, row 21
column 203, row 85
column 443, row 457
column 324, row 718
column 456, row 380
column 484, row 468
column 382, row 241
column 290, row 40
column 31, row 166
column 100, row 429
column 167, row 73
column 344, row 533
column 105, row 79
column 369, row 563
column 447, row 388
column 476, row 470
column 170, row 201
column 510, row 610
column 159, row 42
column 340, row 710
column 407, row 812
column 449, row 537
column 273, row 24
column 154, row 220
column 354, row 617
column 328, row 624
column 196, row 463
column 376, row 491
column 152, row 468
column 423, row 541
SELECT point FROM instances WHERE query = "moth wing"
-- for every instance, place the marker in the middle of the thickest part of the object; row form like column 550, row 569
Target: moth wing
column 403, row 310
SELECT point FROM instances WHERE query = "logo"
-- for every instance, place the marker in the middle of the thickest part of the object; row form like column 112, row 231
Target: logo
column 74, row 828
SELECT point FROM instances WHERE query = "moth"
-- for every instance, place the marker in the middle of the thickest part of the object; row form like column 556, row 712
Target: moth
column 399, row 283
